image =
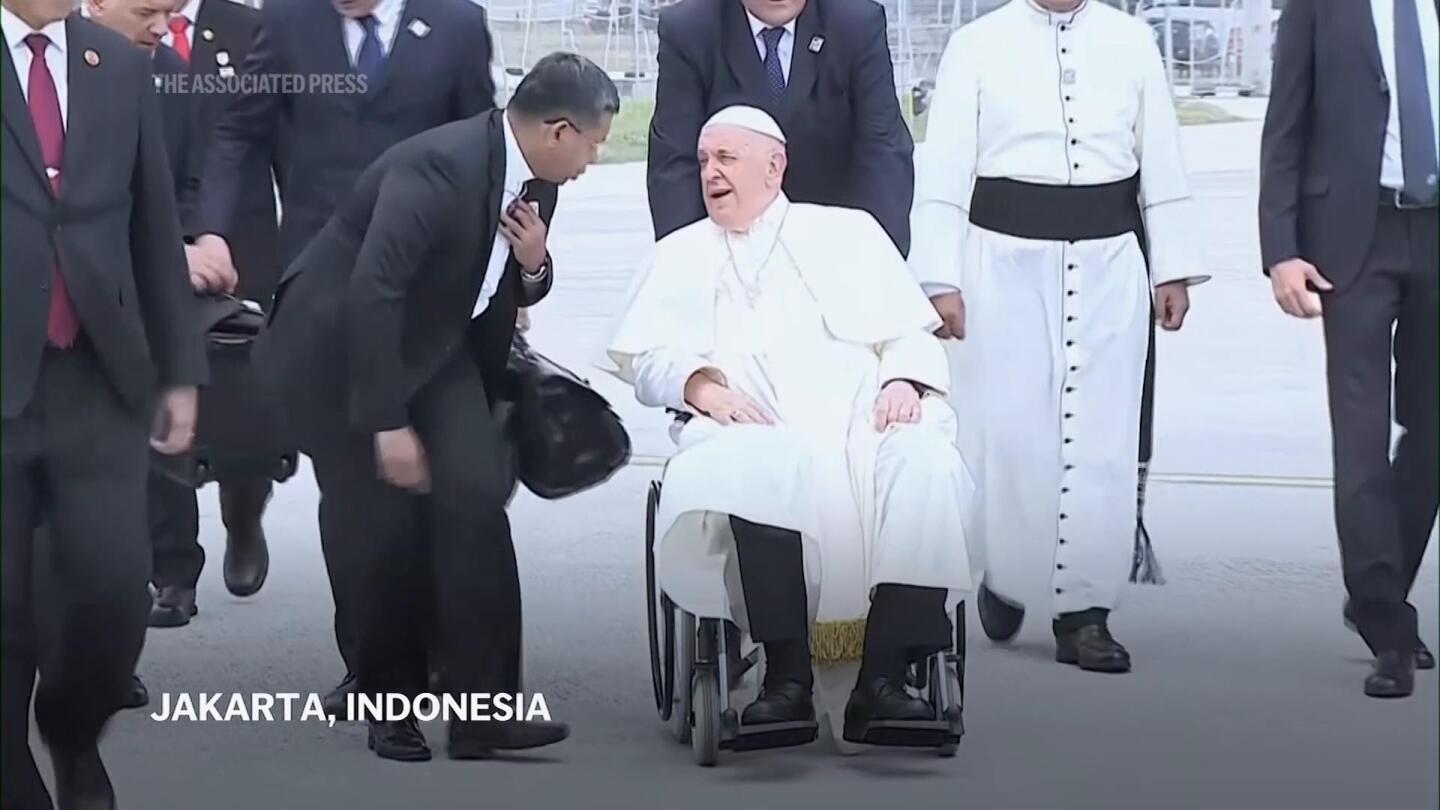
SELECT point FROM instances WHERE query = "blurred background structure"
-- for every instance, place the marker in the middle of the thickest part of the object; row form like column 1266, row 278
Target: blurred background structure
column 1210, row 46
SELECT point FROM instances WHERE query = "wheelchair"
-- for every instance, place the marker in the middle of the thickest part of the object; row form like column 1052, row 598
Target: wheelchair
column 691, row 657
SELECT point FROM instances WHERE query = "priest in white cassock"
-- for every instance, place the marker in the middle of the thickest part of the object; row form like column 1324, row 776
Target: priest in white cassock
column 816, row 496
column 1053, row 226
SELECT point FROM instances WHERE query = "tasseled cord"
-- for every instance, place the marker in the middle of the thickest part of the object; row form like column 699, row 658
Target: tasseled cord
column 1145, row 568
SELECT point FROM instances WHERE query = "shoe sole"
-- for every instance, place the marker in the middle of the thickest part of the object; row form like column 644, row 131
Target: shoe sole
column 1074, row 661
column 168, row 623
column 417, row 756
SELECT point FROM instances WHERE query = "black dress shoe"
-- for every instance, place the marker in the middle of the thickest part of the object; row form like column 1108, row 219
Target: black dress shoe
column 477, row 740
column 789, row 702
column 1393, row 674
column 1424, row 659
column 247, row 556
column 1000, row 618
column 334, row 703
column 137, row 696
column 173, row 607
column 81, row 782
column 1092, row 648
column 882, row 699
column 399, row 740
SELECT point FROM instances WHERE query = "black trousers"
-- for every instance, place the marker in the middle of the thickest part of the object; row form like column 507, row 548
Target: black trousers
column 74, row 461
column 1384, row 506
column 178, row 557
column 433, row 574
column 906, row 623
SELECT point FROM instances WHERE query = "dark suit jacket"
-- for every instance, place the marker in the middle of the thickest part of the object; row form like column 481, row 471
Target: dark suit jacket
column 255, row 241
column 325, row 136
column 848, row 144
column 383, row 295
column 175, row 113
column 1324, row 138
column 113, row 226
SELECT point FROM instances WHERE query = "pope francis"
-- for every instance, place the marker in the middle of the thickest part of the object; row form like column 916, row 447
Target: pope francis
column 816, row 497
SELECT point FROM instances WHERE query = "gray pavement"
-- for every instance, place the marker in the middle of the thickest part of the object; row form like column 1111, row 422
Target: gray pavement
column 1246, row 691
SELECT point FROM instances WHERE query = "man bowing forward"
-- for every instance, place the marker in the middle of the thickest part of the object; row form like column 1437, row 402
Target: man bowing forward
column 388, row 340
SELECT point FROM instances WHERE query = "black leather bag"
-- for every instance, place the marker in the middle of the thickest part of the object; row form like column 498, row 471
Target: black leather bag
column 566, row 437
column 238, row 432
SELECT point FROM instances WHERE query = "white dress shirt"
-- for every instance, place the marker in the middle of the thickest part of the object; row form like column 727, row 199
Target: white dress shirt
column 16, row 30
column 190, row 12
column 387, row 15
column 786, row 46
column 1392, row 171
column 517, row 174
column 1079, row 98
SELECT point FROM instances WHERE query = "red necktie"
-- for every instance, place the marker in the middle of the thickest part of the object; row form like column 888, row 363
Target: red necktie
column 64, row 325
column 181, row 43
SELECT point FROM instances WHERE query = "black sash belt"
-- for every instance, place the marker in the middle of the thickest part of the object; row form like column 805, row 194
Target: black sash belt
column 1057, row 213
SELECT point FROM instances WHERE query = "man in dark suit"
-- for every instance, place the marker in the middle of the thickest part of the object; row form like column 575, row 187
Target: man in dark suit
column 420, row 63
column 387, row 347
column 208, row 39
column 101, row 359
column 1349, row 229
column 821, row 68
column 143, row 22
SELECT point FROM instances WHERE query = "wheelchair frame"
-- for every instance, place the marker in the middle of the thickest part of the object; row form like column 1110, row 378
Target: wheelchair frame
column 699, row 654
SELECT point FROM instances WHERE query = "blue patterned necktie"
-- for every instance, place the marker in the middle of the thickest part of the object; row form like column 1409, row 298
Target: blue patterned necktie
column 371, row 57
column 773, row 69
column 1417, row 129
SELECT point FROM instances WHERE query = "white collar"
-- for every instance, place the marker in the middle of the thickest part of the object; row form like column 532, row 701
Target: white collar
column 388, row 11
column 756, row 26
column 766, row 227
column 1045, row 15
column 17, row 29
column 517, row 168
column 191, row 11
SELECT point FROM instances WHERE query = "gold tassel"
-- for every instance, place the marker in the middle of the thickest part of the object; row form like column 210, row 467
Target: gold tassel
column 837, row 642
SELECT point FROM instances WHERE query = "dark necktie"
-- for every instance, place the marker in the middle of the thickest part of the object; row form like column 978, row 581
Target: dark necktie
column 774, row 71
column 371, row 57
column 1417, row 129
column 44, row 101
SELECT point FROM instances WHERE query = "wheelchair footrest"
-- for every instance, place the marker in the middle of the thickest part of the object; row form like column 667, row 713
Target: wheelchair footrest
column 772, row 735
column 910, row 733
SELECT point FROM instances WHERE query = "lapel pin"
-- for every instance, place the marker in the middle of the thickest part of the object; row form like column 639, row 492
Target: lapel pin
column 222, row 58
column 91, row 57
column 419, row 28
column 207, row 35
column 816, row 43
column 227, row 71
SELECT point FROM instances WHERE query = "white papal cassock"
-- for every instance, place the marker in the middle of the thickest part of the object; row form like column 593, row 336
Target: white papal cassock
column 1029, row 107
column 809, row 313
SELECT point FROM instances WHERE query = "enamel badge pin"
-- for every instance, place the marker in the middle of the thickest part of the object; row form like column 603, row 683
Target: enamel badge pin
column 222, row 58
column 419, row 28
column 816, row 43
column 92, row 58
column 207, row 35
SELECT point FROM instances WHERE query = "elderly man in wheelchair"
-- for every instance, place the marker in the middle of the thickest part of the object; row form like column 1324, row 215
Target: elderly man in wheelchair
column 816, row 497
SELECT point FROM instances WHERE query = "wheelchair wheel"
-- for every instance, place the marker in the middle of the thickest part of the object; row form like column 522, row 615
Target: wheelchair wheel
column 661, row 680
column 682, row 673
column 954, row 715
column 705, row 700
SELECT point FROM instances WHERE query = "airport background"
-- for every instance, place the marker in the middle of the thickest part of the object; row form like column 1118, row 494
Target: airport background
column 1246, row 692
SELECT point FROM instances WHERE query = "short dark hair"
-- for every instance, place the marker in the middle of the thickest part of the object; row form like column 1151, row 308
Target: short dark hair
column 566, row 85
